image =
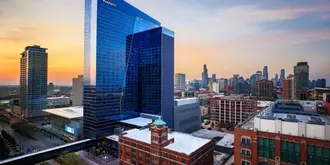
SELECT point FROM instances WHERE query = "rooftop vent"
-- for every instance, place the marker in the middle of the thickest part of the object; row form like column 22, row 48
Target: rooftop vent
column 315, row 120
column 291, row 118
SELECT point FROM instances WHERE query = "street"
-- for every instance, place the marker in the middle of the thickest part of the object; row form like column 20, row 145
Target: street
column 27, row 144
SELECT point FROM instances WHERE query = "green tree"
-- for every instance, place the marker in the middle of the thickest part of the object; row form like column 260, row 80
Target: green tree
column 70, row 159
column 45, row 163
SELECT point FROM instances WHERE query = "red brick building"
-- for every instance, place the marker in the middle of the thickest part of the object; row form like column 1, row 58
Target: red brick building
column 279, row 138
column 231, row 110
column 264, row 89
column 288, row 88
column 157, row 146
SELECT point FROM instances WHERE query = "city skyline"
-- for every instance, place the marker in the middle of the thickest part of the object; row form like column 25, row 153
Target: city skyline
column 263, row 34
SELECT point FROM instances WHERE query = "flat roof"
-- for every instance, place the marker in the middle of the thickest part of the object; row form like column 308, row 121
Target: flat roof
column 183, row 143
column 306, row 114
column 138, row 121
column 209, row 134
column 264, row 103
column 113, row 137
column 67, row 112
column 227, row 141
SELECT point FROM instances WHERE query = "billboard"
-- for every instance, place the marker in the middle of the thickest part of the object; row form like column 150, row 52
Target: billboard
column 69, row 129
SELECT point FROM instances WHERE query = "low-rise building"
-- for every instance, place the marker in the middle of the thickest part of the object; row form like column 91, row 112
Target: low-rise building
column 287, row 132
column 157, row 145
column 187, row 115
column 66, row 122
column 61, row 101
column 231, row 110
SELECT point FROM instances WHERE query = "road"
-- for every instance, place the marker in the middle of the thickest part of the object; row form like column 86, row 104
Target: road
column 26, row 144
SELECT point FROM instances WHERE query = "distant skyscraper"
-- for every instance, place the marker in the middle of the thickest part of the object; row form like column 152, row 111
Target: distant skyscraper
column 265, row 73
column 50, row 89
column 282, row 77
column 109, row 28
column 264, row 88
column 205, row 77
column 321, row 83
column 195, row 84
column 288, row 88
column 180, row 81
column 77, row 91
column 301, row 77
column 214, row 77
column 223, row 84
column 33, row 81
column 254, row 79
column 276, row 80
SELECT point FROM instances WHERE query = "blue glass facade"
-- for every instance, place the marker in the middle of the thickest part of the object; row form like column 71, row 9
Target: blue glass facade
column 108, row 25
column 149, row 76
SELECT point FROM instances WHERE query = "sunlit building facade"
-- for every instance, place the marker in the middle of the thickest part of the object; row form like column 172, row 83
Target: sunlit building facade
column 112, row 41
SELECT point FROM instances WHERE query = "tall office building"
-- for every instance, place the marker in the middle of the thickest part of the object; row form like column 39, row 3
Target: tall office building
column 265, row 73
column 214, row 77
column 254, row 78
column 288, row 88
column 223, row 83
column 205, row 77
column 282, row 77
column 301, row 77
column 149, row 75
column 33, row 81
column 50, row 89
column 276, row 80
column 110, row 28
column 321, row 83
column 77, row 91
column 264, row 89
column 180, row 81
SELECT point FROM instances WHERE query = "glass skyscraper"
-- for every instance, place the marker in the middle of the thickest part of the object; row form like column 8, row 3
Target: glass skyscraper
column 33, row 81
column 111, row 65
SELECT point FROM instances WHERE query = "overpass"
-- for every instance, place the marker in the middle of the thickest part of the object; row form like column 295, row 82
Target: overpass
column 37, row 157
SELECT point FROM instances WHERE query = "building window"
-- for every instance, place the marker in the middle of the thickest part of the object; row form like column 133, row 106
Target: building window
column 318, row 155
column 246, row 141
column 244, row 162
column 266, row 148
column 246, row 153
column 182, row 160
column 290, row 152
column 172, row 157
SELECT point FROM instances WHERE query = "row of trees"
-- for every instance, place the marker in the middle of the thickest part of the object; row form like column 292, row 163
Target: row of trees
column 8, row 137
column 69, row 158
column 4, row 149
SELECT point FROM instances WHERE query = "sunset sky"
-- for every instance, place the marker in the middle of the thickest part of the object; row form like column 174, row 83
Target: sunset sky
column 231, row 37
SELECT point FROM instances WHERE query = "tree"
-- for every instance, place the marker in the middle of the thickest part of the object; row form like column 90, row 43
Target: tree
column 45, row 163
column 70, row 159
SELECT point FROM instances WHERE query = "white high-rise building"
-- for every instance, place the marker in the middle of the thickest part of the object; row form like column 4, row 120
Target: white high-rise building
column 77, row 91
column 216, row 87
column 180, row 81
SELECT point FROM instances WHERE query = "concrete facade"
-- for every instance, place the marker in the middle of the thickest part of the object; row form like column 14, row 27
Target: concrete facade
column 187, row 115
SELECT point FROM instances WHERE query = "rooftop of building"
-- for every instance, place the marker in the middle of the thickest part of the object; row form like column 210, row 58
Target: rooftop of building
column 67, row 112
column 226, row 141
column 208, row 134
column 293, row 117
column 138, row 121
column 184, row 101
column 59, row 97
column 264, row 103
column 183, row 143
